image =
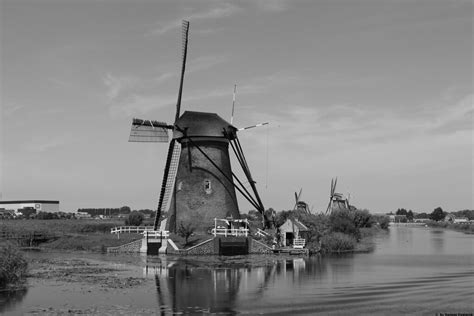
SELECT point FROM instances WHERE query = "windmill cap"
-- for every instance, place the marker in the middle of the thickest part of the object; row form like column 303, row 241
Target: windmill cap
column 203, row 124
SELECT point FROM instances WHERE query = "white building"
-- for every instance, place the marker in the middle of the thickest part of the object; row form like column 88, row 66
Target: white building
column 38, row 205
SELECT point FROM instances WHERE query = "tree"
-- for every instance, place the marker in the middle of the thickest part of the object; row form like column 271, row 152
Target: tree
column 410, row 215
column 401, row 211
column 185, row 231
column 362, row 218
column 422, row 215
column 437, row 214
column 125, row 210
column 134, row 219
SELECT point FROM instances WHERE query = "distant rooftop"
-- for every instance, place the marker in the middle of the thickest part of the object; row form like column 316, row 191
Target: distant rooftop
column 29, row 201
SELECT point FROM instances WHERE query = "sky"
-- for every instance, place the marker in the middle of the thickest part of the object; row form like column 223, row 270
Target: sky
column 377, row 93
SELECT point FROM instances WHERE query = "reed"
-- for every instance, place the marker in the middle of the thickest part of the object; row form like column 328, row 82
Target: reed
column 338, row 242
column 13, row 266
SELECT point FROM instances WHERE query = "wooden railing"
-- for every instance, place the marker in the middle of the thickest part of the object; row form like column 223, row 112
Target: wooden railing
column 156, row 234
column 130, row 229
column 147, row 231
column 299, row 243
column 230, row 232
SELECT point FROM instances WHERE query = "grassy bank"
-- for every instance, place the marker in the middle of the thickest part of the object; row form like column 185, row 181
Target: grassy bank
column 13, row 266
column 73, row 235
column 466, row 228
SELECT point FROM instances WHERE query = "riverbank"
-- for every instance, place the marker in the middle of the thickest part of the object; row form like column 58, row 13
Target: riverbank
column 413, row 270
column 461, row 227
column 65, row 235
column 13, row 267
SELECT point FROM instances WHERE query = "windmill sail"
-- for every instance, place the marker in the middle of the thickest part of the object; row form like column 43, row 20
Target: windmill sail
column 168, row 179
column 146, row 131
column 185, row 30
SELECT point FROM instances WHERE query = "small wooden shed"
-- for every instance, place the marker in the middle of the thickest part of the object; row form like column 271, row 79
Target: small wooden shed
column 292, row 229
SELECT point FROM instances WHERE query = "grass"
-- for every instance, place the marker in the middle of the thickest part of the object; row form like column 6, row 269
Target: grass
column 74, row 235
column 13, row 266
column 94, row 242
column 59, row 226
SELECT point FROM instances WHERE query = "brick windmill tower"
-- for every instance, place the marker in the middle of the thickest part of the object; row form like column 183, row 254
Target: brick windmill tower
column 198, row 182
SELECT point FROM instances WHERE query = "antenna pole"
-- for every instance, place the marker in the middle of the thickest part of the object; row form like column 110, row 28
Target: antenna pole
column 233, row 104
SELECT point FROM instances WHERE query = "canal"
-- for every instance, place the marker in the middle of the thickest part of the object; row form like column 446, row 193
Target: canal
column 413, row 270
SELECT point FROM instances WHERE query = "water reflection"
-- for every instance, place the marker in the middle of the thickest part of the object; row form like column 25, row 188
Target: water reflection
column 8, row 299
column 411, row 271
column 184, row 286
column 410, row 265
column 437, row 240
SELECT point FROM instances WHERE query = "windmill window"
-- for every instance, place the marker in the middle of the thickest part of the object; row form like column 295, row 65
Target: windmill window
column 207, row 186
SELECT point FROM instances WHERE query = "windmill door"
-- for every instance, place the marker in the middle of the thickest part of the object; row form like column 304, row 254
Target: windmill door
column 289, row 236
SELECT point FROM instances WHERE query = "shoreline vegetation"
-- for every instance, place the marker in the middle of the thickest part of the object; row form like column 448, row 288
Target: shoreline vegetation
column 13, row 267
column 342, row 231
column 461, row 227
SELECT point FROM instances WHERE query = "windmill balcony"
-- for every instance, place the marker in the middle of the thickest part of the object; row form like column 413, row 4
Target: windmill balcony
column 230, row 227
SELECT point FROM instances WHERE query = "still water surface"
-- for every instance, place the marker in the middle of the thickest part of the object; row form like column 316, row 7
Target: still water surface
column 413, row 270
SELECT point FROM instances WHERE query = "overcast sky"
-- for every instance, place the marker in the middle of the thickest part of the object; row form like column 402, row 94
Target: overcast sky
column 377, row 93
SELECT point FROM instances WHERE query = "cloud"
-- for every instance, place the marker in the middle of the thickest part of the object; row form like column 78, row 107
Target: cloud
column 117, row 85
column 341, row 127
column 272, row 5
column 222, row 11
column 137, row 104
column 127, row 95
column 11, row 109
column 458, row 117
column 40, row 144
column 164, row 77
column 205, row 62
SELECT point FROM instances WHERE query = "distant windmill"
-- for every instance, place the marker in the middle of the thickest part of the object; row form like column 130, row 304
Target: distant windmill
column 301, row 205
column 336, row 200
column 198, row 175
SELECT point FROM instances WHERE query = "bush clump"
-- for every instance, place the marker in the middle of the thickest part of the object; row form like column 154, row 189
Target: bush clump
column 338, row 242
column 342, row 221
column 134, row 219
column 13, row 266
column 97, row 227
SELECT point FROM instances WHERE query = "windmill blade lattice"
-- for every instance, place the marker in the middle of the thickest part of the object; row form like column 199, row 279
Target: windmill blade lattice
column 169, row 177
column 146, row 131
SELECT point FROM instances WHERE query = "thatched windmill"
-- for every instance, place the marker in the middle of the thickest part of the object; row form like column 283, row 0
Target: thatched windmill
column 301, row 205
column 337, row 201
column 198, row 180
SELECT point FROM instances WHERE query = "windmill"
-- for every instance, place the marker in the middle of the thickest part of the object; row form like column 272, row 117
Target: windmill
column 336, row 200
column 301, row 205
column 198, row 182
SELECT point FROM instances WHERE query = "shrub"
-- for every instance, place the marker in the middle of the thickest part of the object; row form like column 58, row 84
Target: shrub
column 342, row 221
column 97, row 227
column 383, row 221
column 134, row 219
column 338, row 242
column 12, row 266
column 362, row 219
